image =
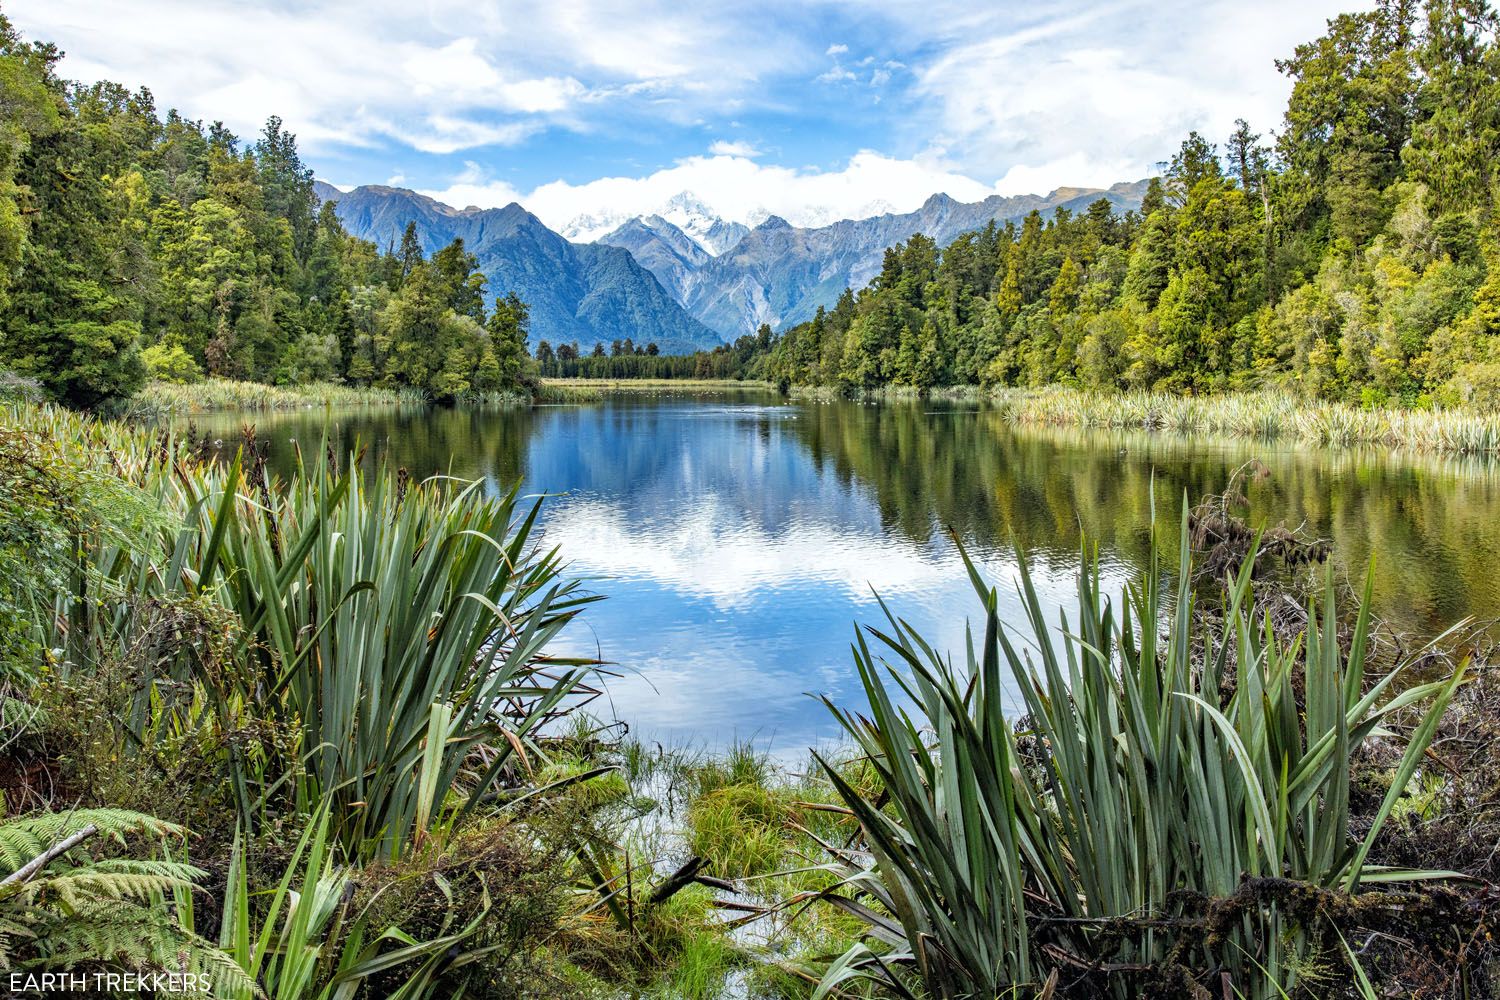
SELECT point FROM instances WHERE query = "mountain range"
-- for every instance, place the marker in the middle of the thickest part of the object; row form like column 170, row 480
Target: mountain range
column 588, row 292
column 780, row 274
column 680, row 276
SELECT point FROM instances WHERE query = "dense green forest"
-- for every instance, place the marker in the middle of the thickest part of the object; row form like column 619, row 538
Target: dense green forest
column 1352, row 256
column 133, row 244
column 625, row 359
column 1355, row 256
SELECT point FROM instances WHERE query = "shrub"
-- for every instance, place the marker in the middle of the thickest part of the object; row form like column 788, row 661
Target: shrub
column 1171, row 797
column 170, row 364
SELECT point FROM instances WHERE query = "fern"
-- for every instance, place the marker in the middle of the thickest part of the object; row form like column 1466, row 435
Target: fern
column 24, row 838
column 112, row 912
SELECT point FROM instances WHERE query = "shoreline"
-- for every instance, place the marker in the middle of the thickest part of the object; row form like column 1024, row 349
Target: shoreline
column 1266, row 416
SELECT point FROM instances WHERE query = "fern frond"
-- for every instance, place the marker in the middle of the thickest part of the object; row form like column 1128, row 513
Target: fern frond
column 177, row 870
column 80, row 886
column 25, row 837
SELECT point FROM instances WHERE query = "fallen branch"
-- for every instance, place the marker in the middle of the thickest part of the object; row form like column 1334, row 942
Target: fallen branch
column 57, row 850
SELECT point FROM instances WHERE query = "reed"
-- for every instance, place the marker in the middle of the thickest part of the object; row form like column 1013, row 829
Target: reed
column 171, row 398
column 1264, row 415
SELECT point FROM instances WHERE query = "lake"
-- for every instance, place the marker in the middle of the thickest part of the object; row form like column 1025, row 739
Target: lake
column 740, row 536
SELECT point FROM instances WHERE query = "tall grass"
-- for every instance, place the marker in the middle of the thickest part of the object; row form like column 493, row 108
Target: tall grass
column 1170, row 797
column 1268, row 415
column 312, row 939
column 161, row 398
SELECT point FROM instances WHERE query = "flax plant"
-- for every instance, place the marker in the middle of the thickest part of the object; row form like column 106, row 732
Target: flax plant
column 400, row 628
column 1167, row 783
column 353, row 635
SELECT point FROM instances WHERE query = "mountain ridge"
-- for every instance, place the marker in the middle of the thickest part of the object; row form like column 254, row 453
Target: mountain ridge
column 780, row 274
column 589, row 293
column 684, row 293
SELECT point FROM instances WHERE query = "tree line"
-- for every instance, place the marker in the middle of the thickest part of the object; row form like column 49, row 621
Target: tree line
column 136, row 245
column 627, row 360
column 1352, row 256
column 1355, row 256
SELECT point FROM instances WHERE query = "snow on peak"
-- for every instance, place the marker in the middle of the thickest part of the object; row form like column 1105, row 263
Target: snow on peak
column 590, row 227
column 714, row 234
column 684, row 210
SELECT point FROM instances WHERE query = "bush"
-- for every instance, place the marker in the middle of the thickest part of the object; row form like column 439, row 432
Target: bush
column 170, row 364
column 1474, row 385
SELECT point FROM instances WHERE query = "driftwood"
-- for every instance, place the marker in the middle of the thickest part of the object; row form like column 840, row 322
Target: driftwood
column 685, row 876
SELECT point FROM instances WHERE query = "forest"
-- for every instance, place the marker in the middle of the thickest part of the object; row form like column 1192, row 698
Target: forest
column 136, row 246
column 1352, row 256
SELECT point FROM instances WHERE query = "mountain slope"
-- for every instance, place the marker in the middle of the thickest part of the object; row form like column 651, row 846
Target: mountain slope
column 589, row 293
column 780, row 274
column 662, row 249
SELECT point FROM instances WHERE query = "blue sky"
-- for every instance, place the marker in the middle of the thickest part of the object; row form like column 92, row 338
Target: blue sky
column 813, row 110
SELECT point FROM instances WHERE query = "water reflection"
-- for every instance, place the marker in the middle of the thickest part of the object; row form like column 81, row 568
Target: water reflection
column 739, row 537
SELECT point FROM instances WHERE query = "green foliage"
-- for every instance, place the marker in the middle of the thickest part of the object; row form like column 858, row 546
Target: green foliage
column 51, row 499
column 341, row 681
column 396, row 627
column 114, row 913
column 132, row 245
column 1163, row 760
column 170, row 364
column 314, row 939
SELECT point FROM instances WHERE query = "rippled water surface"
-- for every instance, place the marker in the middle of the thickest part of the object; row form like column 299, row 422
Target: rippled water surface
column 740, row 537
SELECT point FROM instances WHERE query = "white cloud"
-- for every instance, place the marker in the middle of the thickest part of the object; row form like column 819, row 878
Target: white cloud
column 1032, row 96
column 723, row 147
column 438, row 76
column 735, row 188
column 1102, row 93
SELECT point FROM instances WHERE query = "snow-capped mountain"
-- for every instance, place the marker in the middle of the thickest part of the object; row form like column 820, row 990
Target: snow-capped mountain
column 781, row 271
column 815, row 218
column 684, row 211
column 589, row 228
column 698, row 221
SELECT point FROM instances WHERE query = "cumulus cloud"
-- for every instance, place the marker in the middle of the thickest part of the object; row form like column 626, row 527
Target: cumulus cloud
column 1028, row 97
column 1108, row 90
column 734, row 187
column 438, row 76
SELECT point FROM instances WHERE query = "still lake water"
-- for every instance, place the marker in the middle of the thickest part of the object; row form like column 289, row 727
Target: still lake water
column 739, row 537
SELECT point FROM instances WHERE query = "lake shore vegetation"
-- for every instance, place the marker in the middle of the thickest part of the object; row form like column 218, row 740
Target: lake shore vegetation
column 311, row 736
column 476, row 829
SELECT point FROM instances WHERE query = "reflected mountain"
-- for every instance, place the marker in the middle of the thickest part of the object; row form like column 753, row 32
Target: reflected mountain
column 738, row 537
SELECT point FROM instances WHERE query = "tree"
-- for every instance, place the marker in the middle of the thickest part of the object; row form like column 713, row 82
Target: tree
column 457, row 271
column 70, row 321
column 508, row 332
column 1195, row 162
column 410, row 254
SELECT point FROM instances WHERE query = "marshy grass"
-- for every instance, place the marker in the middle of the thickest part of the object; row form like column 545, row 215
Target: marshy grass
column 1262, row 415
column 173, row 399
